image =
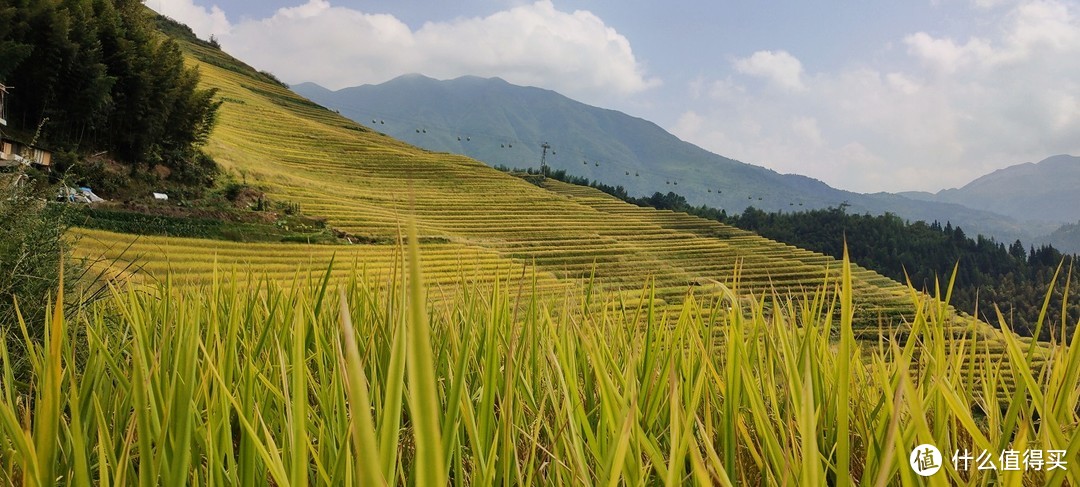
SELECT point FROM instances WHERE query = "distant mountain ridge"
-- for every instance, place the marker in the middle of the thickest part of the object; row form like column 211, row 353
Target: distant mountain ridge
column 503, row 124
column 1047, row 191
column 1066, row 238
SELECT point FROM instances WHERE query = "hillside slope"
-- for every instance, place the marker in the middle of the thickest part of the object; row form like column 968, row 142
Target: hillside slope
column 1066, row 238
column 504, row 124
column 481, row 224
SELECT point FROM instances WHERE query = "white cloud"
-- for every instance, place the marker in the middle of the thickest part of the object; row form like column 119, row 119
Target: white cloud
column 902, row 83
column 944, row 112
column 204, row 21
column 945, row 54
column 533, row 44
column 988, row 4
column 689, row 123
column 726, row 89
column 807, row 129
column 780, row 67
column 311, row 9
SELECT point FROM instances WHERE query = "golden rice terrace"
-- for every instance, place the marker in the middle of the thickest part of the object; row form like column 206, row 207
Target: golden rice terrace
column 480, row 224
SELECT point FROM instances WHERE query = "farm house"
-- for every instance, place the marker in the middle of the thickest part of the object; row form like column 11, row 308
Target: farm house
column 14, row 153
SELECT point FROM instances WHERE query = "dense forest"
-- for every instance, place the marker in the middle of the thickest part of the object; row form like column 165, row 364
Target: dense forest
column 1013, row 278
column 96, row 76
column 989, row 274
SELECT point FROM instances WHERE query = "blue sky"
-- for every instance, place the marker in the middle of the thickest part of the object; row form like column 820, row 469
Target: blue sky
column 866, row 96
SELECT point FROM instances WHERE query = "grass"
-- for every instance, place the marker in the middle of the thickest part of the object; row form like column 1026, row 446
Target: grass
column 556, row 336
column 358, row 380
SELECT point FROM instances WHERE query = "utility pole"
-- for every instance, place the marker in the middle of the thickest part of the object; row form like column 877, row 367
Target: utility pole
column 543, row 158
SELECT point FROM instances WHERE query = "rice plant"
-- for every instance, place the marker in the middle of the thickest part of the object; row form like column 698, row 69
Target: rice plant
column 364, row 381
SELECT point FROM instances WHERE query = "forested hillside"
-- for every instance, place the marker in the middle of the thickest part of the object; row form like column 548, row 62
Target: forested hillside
column 989, row 274
column 95, row 75
column 1066, row 237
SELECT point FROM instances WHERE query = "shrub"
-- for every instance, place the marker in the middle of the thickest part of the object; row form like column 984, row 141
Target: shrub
column 32, row 247
column 195, row 168
column 268, row 76
column 97, row 175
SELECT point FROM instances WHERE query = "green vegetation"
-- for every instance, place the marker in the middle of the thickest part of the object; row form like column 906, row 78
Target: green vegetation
column 31, row 249
column 334, row 382
column 366, row 184
column 33, row 252
column 88, row 76
column 283, row 229
column 1066, row 237
column 557, row 335
column 989, row 273
column 96, row 76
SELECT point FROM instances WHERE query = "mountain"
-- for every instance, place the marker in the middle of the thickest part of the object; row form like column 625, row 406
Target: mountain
column 503, row 124
column 1044, row 191
column 1066, row 238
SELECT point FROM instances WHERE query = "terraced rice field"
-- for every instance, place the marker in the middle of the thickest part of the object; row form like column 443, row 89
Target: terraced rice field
column 555, row 235
column 536, row 333
column 196, row 262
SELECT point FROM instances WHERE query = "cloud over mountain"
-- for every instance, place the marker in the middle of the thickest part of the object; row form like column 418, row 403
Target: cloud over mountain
column 931, row 105
column 923, row 107
column 535, row 44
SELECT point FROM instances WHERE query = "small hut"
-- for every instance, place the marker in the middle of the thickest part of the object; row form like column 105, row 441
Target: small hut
column 14, row 153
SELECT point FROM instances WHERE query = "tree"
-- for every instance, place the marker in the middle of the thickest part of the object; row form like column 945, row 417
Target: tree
column 12, row 50
column 105, row 79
